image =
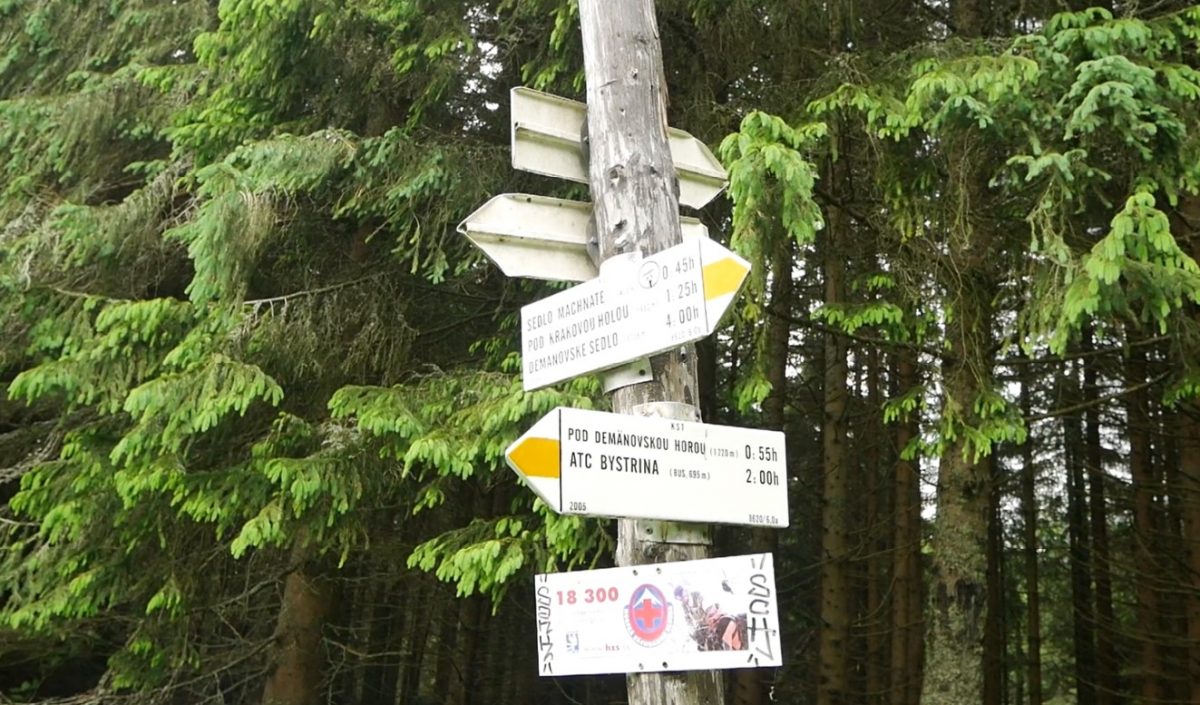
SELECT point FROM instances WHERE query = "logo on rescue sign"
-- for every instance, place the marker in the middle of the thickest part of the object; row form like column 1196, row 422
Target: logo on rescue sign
column 648, row 615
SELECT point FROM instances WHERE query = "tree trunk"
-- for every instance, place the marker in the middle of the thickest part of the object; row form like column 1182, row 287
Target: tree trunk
column 908, row 632
column 834, row 633
column 446, row 671
column 1029, row 514
column 751, row 685
column 1078, row 549
column 1187, row 227
column 1145, row 487
column 352, row 609
column 993, row 628
column 1173, row 581
column 875, row 620
column 953, row 666
column 472, row 617
column 1188, row 420
column 525, row 682
column 298, row 659
column 970, row 17
column 1107, row 670
column 416, row 639
column 954, row 658
column 1018, row 677
column 386, row 623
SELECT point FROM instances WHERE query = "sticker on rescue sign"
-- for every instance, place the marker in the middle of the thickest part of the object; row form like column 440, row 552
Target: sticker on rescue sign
column 691, row 615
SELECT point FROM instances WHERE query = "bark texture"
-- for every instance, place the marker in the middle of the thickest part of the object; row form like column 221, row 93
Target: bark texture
column 1145, row 521
column 874, row 618
column 954, row 654
column 298, row 659
column 1033, row 607
column 1108, row 687
column 1189, row 434
column 907, row 610
column 751, row 686
column 1188, row 229
column 1079, row 548
column 834, row 635
column 994, row 643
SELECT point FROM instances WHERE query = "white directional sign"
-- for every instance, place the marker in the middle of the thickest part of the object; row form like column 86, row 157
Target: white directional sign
column 637, row 308
column 540, row 237
column 546, row 133
column 600, row 464
column 693, row 615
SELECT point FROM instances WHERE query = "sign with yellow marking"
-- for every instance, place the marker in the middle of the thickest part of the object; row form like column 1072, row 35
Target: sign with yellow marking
column 634, row 308
column 594, row 463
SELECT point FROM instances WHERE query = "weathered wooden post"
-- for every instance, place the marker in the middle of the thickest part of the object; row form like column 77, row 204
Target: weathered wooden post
column 636, row 209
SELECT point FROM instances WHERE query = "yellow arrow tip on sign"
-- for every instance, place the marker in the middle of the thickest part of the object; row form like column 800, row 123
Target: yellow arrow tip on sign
column 536, row 457
column 723, row 277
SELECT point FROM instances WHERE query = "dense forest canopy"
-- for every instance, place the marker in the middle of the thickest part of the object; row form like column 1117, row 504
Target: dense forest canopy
column 257, row 390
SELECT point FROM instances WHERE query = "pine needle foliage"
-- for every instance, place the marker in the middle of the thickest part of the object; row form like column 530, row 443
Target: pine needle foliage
column 1093, row 113
column 226, row 240
column 771, row 182
column 446, row 427
column 1090, row 115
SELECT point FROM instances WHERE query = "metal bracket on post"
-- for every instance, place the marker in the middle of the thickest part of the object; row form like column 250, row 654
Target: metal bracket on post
column 621, row 265
column 592, row 240
column 673, row 532
column 585, row 145
column 627, row 375
column 673, row 410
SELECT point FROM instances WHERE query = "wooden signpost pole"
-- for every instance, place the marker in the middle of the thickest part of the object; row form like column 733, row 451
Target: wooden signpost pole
column 636, row 210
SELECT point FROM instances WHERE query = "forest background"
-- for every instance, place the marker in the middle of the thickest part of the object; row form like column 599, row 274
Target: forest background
column 257, row 389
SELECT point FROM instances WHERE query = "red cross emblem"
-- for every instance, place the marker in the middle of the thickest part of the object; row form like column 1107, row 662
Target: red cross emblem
column 648, row 615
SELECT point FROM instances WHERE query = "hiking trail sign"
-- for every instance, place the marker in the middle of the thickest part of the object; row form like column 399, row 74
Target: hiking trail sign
column 541, row 237
column 547, row 136
column 594, row 463
column 691, row 615
column 634, row 308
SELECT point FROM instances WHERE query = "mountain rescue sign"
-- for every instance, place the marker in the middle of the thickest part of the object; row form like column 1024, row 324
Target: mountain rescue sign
column 706, row 614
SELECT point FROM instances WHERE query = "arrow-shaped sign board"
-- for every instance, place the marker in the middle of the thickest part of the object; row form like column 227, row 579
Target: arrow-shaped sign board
column 600, row 464
column 540, row 237
column 687, row 615
column 637, row 308
column 546, row 139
